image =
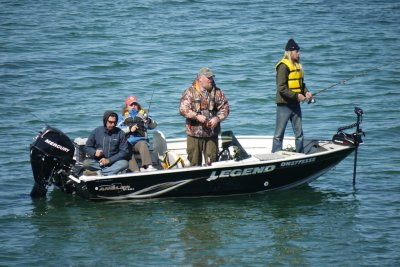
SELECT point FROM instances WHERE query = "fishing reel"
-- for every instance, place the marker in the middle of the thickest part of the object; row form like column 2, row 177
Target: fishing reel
column 136, row 121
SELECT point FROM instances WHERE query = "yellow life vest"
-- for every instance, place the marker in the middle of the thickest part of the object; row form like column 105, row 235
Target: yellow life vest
column 295, row 79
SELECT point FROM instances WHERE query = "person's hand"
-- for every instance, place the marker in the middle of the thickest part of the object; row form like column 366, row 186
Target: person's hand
column 104, row 162
column 213, row 122
column 134, row 128
column 146, row 118
column 309, row 95
column 147, row 121
column 201, row 118
column 301, row 97
column 99, row 153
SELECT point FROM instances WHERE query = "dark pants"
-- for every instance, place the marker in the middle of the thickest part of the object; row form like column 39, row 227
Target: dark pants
column 142, row 149
column 199, row 146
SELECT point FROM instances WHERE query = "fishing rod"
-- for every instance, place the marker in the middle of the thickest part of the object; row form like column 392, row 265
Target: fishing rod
column 151, row 100
column 40, row 119
column 312, row 100
column 146, row 114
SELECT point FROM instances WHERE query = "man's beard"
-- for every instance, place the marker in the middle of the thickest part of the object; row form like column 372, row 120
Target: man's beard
column 208, row 86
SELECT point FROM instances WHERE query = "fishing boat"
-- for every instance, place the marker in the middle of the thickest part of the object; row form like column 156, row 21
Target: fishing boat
column 246, row 165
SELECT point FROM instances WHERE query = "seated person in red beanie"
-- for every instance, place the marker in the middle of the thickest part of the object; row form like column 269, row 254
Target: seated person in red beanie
column 135, row 123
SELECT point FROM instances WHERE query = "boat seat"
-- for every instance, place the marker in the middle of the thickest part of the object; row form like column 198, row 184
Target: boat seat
column 167, row 159
column 172, row 160
column 159, row 144
column 80, row 153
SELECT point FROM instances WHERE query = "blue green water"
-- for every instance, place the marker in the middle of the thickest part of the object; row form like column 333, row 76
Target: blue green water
column 66, row 62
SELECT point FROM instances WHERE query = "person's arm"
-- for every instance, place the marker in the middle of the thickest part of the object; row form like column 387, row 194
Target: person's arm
column 151, row 123
column 90, row 146
column 307, row 92
column 185, row 106
column 222, row 105
column 282, row 83
column 123, row 149
column 222, row 109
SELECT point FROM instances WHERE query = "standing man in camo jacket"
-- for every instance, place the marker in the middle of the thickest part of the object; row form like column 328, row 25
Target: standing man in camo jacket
column 204, row 106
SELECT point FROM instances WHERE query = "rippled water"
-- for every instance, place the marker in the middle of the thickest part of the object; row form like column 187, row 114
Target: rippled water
column 66, row 62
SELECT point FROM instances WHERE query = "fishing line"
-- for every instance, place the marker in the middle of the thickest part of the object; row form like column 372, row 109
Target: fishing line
column 151, row 100
column 37, row 117
column 361, row 74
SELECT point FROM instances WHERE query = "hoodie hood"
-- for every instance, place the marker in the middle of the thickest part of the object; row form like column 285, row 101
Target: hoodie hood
column 107, row 114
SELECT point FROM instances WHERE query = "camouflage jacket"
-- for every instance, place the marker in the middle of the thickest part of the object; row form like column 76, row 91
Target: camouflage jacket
column 194, row 101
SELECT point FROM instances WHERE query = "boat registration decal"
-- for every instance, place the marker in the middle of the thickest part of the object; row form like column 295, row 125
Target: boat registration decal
column 114, row 187
column 240, row 172
column 297, row 162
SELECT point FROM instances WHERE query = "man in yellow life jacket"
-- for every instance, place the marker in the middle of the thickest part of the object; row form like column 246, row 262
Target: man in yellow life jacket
column 290, row 92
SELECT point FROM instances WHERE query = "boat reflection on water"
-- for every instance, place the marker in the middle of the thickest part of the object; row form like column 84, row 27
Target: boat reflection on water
column 263, row 228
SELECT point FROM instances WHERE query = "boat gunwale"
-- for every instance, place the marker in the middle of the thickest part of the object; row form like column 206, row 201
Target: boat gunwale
column 225, row 164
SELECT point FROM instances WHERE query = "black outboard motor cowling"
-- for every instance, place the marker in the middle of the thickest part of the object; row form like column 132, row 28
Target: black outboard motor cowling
column 51, row 154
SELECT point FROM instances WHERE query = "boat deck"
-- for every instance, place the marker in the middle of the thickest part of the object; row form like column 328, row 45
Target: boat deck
column 257, row 147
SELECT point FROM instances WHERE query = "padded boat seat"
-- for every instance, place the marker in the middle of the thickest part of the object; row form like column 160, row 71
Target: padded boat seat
column 172, row 160
column 169, row 159
column 159, row 144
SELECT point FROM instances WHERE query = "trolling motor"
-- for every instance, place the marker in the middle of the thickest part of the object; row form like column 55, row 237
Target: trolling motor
column 351, row 139
column 51, row 154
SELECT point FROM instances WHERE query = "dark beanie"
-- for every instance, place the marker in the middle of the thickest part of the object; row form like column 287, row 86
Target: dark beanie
column 292, row 45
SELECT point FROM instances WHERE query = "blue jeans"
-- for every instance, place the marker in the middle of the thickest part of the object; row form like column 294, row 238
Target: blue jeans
column 114, row 168
column 284, row 113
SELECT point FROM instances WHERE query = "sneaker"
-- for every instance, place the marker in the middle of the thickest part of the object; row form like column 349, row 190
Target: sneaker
column 90, row 173
column 149, row 168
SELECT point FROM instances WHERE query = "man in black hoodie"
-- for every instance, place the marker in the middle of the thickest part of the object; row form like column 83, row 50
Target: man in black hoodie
column 106, row 148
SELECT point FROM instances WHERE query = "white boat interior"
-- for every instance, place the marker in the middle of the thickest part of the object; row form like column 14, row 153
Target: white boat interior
column 171, row 153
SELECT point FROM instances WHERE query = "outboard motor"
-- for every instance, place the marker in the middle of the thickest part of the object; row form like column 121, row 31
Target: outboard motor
column 51, row 154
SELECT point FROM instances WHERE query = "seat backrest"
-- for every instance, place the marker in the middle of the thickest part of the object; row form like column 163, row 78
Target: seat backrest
column 172, row 160
column 159, row 144
column 228, row 140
